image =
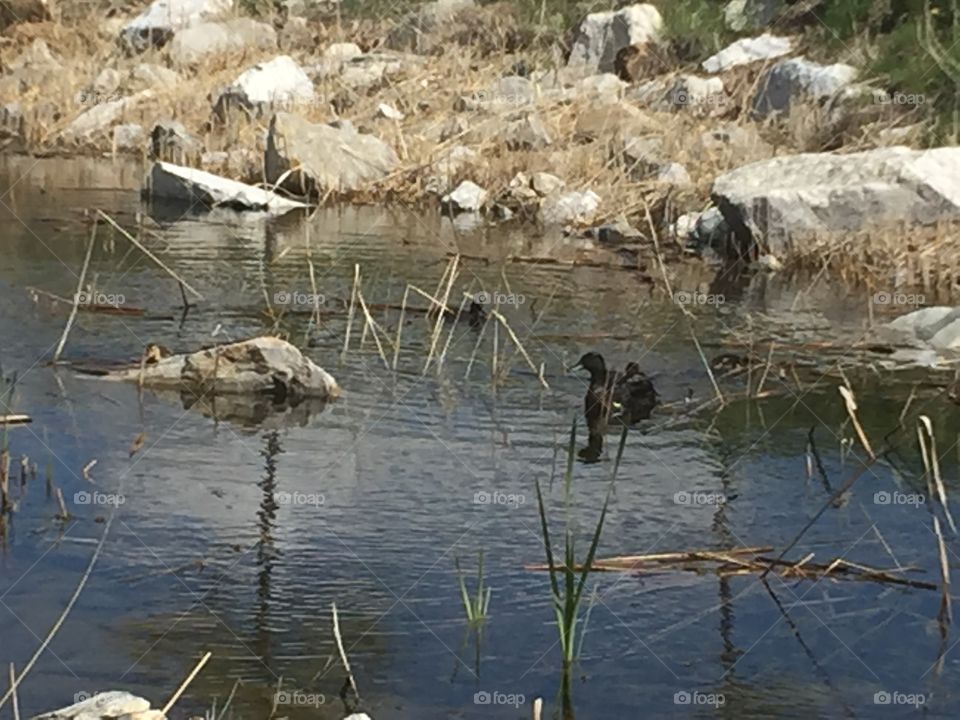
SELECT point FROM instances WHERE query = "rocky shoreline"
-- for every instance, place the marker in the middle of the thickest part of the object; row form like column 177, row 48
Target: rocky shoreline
column 755, row 152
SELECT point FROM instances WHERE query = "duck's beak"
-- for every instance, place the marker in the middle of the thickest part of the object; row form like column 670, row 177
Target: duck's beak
column 575, row 366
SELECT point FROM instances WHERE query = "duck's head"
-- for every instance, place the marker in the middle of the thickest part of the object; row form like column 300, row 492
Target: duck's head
column 593, row 363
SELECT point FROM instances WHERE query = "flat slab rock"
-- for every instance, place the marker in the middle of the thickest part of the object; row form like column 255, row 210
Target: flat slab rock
column 937, row 327
column 184, row 184
column 262, row 365
column 104, row 706
column 776, row 203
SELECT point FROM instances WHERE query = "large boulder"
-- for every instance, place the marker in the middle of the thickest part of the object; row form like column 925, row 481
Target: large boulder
column 162, row 19
column 601, row 35
column 798, row 79
column 774, row 203
column 262, row 365
column 313, row 159
column 938, row 327
column 748, row 50
column 191, row 45
column 206, row 190
column 278, row 83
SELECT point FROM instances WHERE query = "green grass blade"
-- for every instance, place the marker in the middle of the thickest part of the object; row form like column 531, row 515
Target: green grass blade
column 546, row 541
column 463, row 591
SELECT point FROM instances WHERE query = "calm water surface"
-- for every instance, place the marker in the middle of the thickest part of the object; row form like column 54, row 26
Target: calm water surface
column 387, row 484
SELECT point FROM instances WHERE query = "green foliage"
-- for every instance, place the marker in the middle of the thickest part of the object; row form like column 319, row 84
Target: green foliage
column 476, row 607
column 695, row 28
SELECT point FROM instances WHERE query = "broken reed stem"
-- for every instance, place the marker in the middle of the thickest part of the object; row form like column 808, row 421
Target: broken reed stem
column 928, row 451
column 343, row 653
column 13, row 689
column 350, row 313
column 946, row 606
column 519, row 345
column 369, row 322
column 76, row 295
column 185, row 683
column 851, row 405
column 63, row 514
column 438, row 325
column 766, row 370
column 150, row 255
column 706, row 364
column 537, row 708
column 403, row 312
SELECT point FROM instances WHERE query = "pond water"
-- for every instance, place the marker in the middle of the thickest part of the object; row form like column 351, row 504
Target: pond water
column 236, row 537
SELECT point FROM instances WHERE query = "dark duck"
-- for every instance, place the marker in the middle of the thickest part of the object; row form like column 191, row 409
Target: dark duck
column 622, row 397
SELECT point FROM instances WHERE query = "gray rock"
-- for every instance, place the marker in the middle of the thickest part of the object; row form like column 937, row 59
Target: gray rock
column 600, row 36
column 188, row 185
column 526, row 133
column 468, row 197
column 415, row 32
column 643, row 156
column 113, row 704
column 569, row 208
column 129, row 138
column 773, row 202
column 277, row 84
column 162, row 19
column 702, row 95
column 709, row 231
column 170, row 141
column 342, row 52
column 673, row 174
column 250, row 367
column 748, row 50
column 195, row 43
column 326, row 158
column 938, row 327
column 100, row 118
column 798, row 79
column 153, row 76
column 605, row 88
column 742, row 15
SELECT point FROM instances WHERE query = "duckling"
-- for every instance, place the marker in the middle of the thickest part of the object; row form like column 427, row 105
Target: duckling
column 627, row 398
column 154, row 353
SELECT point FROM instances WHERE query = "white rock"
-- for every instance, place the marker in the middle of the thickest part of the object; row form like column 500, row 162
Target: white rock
column 571, row 207
column 193, row 44
column 342, row 51
column 748, row 50
column 197, row 187
column 164, row 18
column 600, row 36
column 113, row 704
column 468, row 197
column 546, row 184
column 107, row 81
column 255, row 366
column 278, row 83
column 683, row 227
column 129, row 137
column 389, row 112
column 773, row 201
column 674, row 174
column 797, row 79
column 690, row 92
column 323, row 157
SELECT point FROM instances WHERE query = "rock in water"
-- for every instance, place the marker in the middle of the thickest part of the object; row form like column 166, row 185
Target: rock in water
column 279, row 83
column 163, row 18
column 206, row 190
column 325, row 157
column 774, row 203
column 600, row 36
column 262, row 365
column 468, row 197
column 113, row 704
